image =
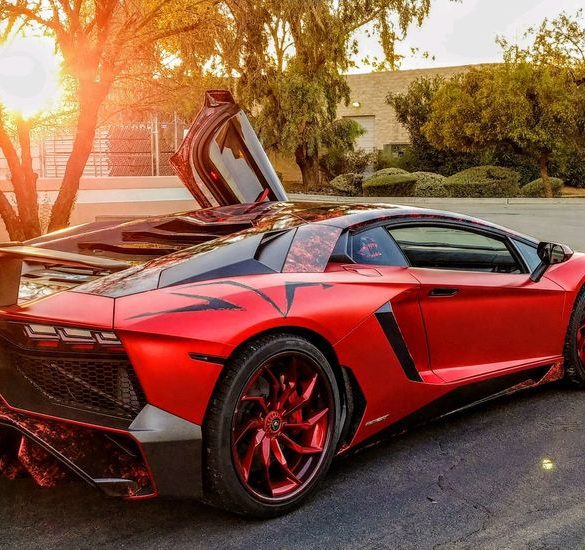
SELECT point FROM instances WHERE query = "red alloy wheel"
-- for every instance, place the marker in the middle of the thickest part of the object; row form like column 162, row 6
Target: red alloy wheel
column 282, row 426
column 581, row 343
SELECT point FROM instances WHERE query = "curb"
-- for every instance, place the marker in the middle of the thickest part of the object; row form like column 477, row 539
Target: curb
column 429, row 200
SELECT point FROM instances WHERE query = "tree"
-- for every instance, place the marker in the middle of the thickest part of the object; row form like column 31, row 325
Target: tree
column 340, row 156
column 413, row 110
column 558, row 42
column 25, row 223
column 101, row 42
column 532, row 109
column 290, row 57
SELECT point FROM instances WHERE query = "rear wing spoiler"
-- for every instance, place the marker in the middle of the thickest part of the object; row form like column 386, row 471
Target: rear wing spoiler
column 13, row 257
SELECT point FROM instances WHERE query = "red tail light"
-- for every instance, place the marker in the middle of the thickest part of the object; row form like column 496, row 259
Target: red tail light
column 56, row 338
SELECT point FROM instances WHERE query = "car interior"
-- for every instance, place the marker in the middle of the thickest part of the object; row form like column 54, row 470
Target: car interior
column 436, row 247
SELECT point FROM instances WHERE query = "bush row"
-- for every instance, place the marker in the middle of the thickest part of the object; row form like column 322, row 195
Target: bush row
column 480, row 181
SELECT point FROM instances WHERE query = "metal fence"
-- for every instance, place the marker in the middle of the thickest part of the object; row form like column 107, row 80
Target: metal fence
column 135, row 149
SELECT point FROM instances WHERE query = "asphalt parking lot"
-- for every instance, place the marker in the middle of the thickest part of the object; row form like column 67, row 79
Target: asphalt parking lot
column 510, row 474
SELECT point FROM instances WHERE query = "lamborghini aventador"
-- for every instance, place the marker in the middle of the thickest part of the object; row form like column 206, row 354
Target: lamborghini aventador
column 230, row 353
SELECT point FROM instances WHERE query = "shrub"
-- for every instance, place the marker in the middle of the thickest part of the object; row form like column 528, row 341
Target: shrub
column 389, row 185
column 348, row 184
column 391, row 171
column 429, row 184
column 536, row 188
column 337, row 163
column 484, row 181
column 570, row 167
column 384, row 159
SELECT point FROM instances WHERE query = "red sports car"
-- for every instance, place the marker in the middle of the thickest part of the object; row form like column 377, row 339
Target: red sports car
column 230, row 353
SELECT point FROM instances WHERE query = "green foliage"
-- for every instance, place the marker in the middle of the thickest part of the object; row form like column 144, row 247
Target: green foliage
column 504, row 156
column 340, row 157
column 413, row 109
column 383, row 159
column 391, row 171
column 291, row 56
column 483, row 182
column 335, row 162
column 558, row 42
column 570, row 167
column 527, row 108
column 536, row 188
column 429, row 184
column 385, row 185
column 347, row 184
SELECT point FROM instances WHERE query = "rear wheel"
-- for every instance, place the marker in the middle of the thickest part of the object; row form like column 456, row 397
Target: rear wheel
column 271, row 430
column 575, row 344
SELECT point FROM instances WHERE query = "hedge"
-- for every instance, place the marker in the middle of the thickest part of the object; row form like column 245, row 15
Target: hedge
column 392, row 171
column 429, row 184
column 536, row 188
column 484, row 181
column 348, row 184
column 398, row 185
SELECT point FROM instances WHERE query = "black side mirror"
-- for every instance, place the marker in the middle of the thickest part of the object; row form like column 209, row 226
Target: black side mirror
column 550, row 254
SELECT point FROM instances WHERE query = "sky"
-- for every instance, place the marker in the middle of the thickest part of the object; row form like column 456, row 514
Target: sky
column 462, row 33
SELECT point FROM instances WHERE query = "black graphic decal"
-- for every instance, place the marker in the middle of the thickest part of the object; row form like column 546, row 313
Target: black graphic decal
column 290, row 290
column 246, row 287
column 208, row 303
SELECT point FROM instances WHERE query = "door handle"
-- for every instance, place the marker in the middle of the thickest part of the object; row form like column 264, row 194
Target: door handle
column 443, row 292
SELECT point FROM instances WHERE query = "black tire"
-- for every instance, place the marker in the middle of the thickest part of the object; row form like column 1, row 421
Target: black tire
column 574, row 366
column 224, row 484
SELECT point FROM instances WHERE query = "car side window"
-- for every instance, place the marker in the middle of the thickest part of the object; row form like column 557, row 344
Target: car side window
column 529, row 253
column 375, row 247
column 443, row 247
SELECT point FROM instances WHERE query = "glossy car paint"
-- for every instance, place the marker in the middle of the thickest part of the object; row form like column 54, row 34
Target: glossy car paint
column 178, row 338
column 407, row 344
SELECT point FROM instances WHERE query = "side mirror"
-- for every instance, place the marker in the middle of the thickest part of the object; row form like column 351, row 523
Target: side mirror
column 550, row 254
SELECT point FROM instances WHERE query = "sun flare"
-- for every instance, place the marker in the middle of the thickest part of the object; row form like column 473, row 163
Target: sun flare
column 29, row 77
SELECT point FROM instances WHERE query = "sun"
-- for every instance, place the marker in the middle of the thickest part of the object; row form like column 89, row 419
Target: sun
column 29, row 77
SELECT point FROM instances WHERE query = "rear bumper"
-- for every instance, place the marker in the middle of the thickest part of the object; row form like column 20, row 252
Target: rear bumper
column 160, row 454
column 51, row 426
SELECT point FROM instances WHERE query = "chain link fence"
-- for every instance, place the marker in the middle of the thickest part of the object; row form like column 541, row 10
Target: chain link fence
column 134, row 149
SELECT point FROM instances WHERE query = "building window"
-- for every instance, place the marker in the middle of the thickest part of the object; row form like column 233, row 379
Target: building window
column 395, row 150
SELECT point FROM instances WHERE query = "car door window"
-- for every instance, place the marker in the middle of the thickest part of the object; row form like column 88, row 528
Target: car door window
column 443, row 247
column 375, row 247
column 529, row 253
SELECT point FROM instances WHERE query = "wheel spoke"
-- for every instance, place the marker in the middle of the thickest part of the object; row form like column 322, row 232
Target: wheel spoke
column 281, row 459
column 248, row 459
column 265, row 459
column 300, row 449
column 265, row 453
column 253, row 424
column 286, row 394
column 281, row 424
column 274, row 385
column 305, row 396
column 256, row 399
column 308, row 424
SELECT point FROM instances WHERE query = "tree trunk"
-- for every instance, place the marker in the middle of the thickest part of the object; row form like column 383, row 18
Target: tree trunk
column 544, row 175
column 24, row 223
column 82, row 146
column 310, row 170
column 28, row 205
column 10, row 219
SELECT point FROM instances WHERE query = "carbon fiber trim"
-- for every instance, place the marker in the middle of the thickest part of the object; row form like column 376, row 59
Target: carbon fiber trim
column 387, row 320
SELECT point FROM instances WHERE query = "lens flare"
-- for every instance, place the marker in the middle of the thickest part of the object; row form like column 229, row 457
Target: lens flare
column 29, row 77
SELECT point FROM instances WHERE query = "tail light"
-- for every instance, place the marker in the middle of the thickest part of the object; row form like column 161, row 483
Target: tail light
column 34, row 336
